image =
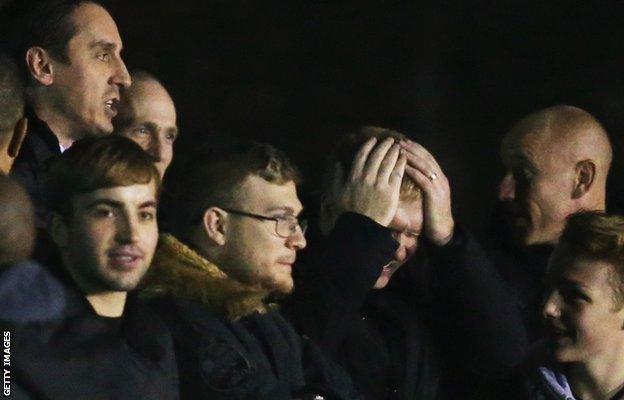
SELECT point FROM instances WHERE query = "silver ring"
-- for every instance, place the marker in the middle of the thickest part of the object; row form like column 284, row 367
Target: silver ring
column 433, row 176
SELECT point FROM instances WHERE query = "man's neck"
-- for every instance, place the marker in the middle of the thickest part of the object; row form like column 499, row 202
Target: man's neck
column 56, row 122
column 108, row 304
column 599, row 379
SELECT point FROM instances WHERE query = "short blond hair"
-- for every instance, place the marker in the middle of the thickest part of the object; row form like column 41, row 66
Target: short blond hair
column 347, row 148
column 595, row 235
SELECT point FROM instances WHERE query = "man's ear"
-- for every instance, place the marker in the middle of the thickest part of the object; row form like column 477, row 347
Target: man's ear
column 59, row 231
column 19, row 133
column 214, row 223
column 585, row 175
column 39, row 65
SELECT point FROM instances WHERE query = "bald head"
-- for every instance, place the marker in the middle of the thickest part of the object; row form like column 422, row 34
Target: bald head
column 147, row 116
column 12, row 123
column 17, row 227
column 557, row 162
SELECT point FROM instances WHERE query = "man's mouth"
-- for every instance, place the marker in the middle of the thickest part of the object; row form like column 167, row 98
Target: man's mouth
column 111, row 105
column 125, row 257
column 557, row 331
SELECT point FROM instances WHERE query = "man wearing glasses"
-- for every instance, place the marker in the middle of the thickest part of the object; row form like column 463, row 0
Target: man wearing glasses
column 235, row 216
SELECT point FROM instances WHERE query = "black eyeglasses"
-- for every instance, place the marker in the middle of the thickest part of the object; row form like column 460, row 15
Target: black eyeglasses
column 284, row 226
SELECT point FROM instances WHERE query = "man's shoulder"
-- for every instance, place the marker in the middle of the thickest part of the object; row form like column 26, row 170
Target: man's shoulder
column 30, row 293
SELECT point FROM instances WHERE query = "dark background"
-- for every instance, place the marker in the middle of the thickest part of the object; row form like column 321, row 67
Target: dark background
column 453, row 75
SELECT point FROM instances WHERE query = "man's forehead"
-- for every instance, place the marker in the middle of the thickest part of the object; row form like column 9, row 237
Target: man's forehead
column 96, row 25
column 136, row 194
column 149, row 99
column 266, row 196
column 522, row 146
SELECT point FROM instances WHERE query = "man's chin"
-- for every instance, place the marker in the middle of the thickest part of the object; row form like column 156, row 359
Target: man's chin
column 282, row 288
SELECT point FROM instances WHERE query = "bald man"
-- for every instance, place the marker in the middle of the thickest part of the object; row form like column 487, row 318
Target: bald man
column 28, row 293
column 12, row 122
column 147, row 116
column 557, row 161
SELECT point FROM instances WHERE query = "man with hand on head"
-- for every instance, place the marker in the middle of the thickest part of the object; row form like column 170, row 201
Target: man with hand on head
column 383, row 195
column 235, row 213
column 557, row 161
column 147, row 116
column 105, row 344
column 70, row 53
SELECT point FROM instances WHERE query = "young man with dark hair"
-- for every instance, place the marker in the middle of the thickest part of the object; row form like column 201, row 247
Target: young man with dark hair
column 147, row 116
column 380, row 289
column 583, row 354
column 103, row 197
column 73, row 73
column 236, row 215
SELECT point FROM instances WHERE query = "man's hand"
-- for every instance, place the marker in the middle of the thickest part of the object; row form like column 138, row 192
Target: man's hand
column 425, row 171
column 373, row 184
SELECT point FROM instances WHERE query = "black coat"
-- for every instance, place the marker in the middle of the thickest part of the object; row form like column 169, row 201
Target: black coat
column 524, row 270
column 39, row 147
column 230, row 344
column 385, row 338
column 29, row 293
column 258, row 357
column 79, row 355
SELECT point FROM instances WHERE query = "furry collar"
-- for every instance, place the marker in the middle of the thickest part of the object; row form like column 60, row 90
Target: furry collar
column 179, row 271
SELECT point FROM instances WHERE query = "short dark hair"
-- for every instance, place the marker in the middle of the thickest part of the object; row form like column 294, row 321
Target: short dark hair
column 210, row 177
column 595, row 235
column 43, row 23
column 96, row 163
column 11, row 94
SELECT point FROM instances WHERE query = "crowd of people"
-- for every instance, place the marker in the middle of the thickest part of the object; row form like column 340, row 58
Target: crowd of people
column 112, row 287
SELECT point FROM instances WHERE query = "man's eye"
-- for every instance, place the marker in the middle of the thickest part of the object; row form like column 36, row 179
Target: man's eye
column 147, row 215
column 104, row 213
column 103, row 56
column 171, row 137
column 523, row 175
column 573, row 296
column 140, row 131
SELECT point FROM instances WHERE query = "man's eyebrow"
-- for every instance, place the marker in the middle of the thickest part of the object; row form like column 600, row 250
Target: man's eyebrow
column 150, row 203
column 285, row 209
column 576, row 286
column 153, row 127
column 103, row 44
column 523, row 160
column 119, row 204
column 105, row 202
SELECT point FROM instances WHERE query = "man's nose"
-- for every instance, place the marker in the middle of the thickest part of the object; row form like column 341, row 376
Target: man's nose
column 297, row 241
column 121, row 76
column 551, row 309
column 155, row 148
column 507, row 188
column 126, row 230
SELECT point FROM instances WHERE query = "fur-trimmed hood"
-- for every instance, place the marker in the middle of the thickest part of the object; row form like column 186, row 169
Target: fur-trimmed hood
column 179, row 271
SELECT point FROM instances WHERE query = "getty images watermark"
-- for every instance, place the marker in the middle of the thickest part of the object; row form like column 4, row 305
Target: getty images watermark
column 6, row 364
